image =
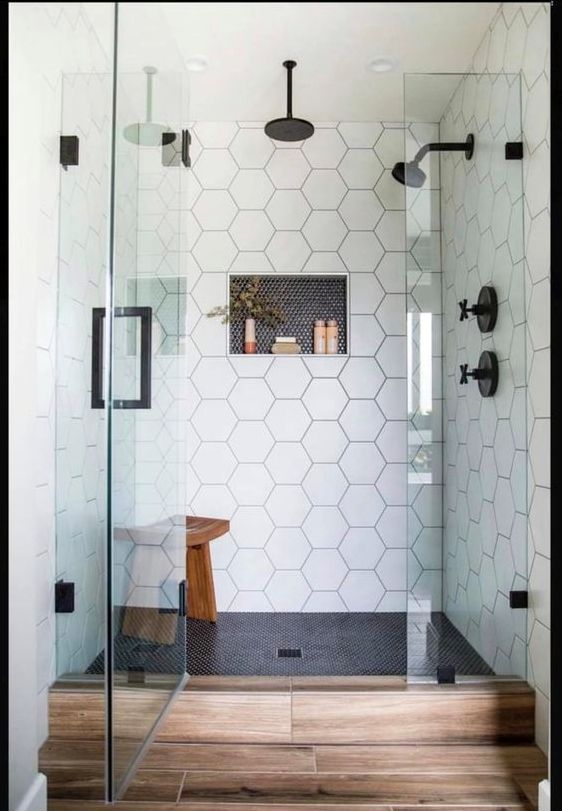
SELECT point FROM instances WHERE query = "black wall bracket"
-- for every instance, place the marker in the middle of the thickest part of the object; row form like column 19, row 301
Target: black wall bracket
column 485, row 309
column 64, row 597
column 171, row 155
column 514, row 150
column 445, row 674
column 68, row 151
column 486, row 373
column 518, row 599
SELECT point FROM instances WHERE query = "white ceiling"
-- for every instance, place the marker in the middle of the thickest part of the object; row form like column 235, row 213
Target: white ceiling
column 245, row 44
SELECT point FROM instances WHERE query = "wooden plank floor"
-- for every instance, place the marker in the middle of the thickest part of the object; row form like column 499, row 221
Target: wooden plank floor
column 260, row 763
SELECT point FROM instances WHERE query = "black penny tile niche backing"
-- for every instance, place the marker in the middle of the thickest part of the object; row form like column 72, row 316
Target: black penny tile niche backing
column 304, row 299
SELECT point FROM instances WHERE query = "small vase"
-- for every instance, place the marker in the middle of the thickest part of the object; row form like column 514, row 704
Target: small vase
column 250, row 336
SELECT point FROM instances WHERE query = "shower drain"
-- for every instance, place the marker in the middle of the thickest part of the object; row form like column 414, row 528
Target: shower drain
column 289, row 653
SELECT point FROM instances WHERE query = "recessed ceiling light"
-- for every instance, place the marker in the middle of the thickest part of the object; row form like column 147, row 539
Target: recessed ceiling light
column 196, row 64
column 381, row 65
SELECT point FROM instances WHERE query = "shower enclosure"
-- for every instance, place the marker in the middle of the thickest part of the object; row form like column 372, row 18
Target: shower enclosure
column 148, row 392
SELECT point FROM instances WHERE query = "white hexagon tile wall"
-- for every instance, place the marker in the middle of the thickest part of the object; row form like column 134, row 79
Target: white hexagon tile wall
column 302, row 454
column 497, row 498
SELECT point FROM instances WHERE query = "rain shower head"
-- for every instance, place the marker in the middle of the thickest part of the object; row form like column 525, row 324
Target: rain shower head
column 289, row 128
column 410, row 174
column 146, row 133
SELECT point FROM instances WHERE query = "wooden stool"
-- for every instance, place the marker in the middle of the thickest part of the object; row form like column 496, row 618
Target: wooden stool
column 201, row 603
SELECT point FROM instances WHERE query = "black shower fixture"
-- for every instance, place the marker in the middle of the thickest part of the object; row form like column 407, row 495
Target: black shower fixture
column 289, row 128
column 486, row 373
column 410, row 174
column 485, row 309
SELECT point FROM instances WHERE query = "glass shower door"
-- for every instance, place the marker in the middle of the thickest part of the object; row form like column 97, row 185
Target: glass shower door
column 467, row 491
column 147, row 360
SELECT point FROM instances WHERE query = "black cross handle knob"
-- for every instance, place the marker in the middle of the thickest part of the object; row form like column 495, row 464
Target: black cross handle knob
column 475, row 374
column 476, row 309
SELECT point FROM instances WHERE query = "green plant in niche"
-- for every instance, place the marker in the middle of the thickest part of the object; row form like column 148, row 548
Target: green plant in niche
column 247, row 300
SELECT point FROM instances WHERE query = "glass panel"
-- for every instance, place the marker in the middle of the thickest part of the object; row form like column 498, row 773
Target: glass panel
column 467, row 498
column 148, row 449
column 80, row 461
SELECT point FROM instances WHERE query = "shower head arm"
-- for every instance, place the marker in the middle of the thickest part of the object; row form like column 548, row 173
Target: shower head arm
column 467, row 147
column 289, row 64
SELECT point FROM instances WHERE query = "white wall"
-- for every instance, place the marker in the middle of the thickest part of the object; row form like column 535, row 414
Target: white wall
column 47, row 39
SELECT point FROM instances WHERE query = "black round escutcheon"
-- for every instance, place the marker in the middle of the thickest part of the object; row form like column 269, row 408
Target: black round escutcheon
column 487, row 309
column 488, row 374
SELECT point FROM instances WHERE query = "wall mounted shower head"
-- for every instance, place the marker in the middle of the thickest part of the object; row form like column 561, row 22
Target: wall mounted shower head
column 410, row 174
column 289, row 128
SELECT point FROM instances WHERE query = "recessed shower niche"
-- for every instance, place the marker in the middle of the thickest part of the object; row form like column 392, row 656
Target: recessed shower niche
column 303, row 299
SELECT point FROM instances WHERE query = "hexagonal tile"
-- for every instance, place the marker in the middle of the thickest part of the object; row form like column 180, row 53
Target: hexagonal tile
column 488, row 474
column 389, row 192
column 391, row 441
column 360, row 168
column 324, row 399
column 360, row 134
column 148, row 565
column 251, row 399
column 324, row 189
column 324, row 526
column 251, row 188
column 222, row 552
column 391, row 314
column 366, row 335
column 361, row 377
column 288, row 420
column 288, row 505
column 365, row 293
column 251, row 148
column 214, row 500
column 361, row 591
column 250, row 569
column 391, row 569
column 288, row 591
column 213, row 377
column 288, row 168
column 361, row 505
column 474, row 495
column 361, row 251
column 324, row 230
column 326, row 601
column 225, row 590
column 251, row 527
column 250, row 484
column 504, row 448
column 214, row 251
column 215, row 134
column 504, row 507
column 251, row 230
column 362, row 463
column 215, row 169
column 392, row 484
column 324, row 569
column 361, row 210
column 213, row 462
column 362, row 420
column 361, row 548
column 250, row 601
column 325, row 441
column 288, row 251
column 288, row 209
column 288, row 548
column 288, row 378
column 325, row 150
column 288, row 463
column 391, row 399
column 215, row 210
column 391, row 231
column 324, row 484
column 390, row 146
column 250, row 441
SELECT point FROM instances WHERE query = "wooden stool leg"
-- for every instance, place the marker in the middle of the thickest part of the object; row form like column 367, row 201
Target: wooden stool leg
column 201, row 602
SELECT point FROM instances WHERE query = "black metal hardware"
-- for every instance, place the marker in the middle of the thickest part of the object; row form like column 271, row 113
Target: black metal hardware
column 446, row 146
column 289, row 653
column 518, row 599
column 135, row 674
column 486, row 373
column 64, row 597
column 182, row 599
column 145, row 315
column 185, row 144
column 514, row 150
column 485, row 309
column 68, row 151
column 445, row 674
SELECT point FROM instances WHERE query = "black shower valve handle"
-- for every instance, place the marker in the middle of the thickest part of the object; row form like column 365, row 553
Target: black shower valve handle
column 475, row 374
column 476, row 309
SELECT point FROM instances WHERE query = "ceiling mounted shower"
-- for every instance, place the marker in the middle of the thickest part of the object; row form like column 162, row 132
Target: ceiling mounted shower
column 146, row 133
column 410, row 174
column 289, row 128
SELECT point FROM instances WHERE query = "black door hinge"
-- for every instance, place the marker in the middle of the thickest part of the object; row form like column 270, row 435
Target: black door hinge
column 518, row 599
column 68, row 153
column 64, row 597
column 445, row 674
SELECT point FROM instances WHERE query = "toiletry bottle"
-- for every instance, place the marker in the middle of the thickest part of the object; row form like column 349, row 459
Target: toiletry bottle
column 332, row 337
column 319, row 337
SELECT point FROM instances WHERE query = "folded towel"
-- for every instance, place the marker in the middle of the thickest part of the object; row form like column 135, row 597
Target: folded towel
column 285, row 348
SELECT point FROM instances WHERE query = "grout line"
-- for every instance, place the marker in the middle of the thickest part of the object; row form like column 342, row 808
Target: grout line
column 181, row 787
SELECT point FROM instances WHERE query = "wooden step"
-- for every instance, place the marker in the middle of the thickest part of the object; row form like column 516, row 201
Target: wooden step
column 306, row 712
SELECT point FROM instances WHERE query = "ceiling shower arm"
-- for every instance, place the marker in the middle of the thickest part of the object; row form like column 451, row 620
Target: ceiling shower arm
column 289, row 64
